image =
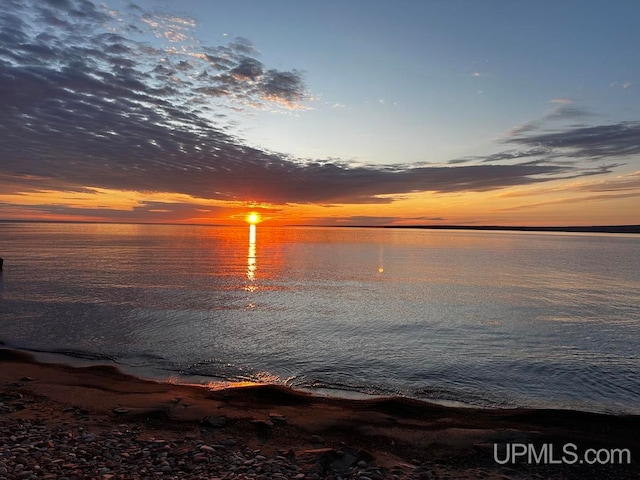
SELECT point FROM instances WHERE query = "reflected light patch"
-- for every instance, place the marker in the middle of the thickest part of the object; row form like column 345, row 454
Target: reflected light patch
column 251, row 257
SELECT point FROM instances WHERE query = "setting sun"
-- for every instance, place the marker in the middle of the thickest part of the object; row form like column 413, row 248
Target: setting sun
column 253, row 218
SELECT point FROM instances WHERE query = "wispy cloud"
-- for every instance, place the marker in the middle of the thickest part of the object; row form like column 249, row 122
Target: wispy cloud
column 573, row 199
column 158, row 212
column 582, row 191
column 622, row 85
column 562, row 101
column 131, row 100
column 369, row 220
column 563, row 110
column 618, row 183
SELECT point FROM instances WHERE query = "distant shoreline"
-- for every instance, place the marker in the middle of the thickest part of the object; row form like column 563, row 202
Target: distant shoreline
column 633, row 229
column 577, row 229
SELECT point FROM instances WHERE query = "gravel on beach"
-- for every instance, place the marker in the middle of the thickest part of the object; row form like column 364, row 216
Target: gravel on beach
column 32, row 450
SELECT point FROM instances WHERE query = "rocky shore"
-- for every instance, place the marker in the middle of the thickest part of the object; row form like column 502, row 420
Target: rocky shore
column 64, row 423
column 31, row 451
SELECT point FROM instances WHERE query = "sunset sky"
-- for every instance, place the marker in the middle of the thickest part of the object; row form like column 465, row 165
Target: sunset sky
column 321, row 112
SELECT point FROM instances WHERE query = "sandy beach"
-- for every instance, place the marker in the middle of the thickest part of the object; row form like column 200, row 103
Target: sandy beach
column 63, row 422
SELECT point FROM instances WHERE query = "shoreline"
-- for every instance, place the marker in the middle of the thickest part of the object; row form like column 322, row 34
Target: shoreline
column 612, row 229
column 318, row 435
column 77, row 360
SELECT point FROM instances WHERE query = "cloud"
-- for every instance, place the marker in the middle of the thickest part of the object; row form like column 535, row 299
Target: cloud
column 567, row 112
column 619, row 183
column 573, row 199
column 131, row 100
column 368, row 220
column 563, row 110
column 173, row 28
column 354, row 220
column 157, row 212
column 282, row 87
column 508, row 155
column 606, row 189
column 595, row 142
column 623, row 85
column 562, row 101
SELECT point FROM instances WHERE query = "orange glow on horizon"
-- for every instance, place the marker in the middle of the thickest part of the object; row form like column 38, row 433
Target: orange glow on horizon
column 554, row 204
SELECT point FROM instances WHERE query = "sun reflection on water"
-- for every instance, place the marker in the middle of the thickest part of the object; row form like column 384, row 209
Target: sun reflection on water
column 251, row 256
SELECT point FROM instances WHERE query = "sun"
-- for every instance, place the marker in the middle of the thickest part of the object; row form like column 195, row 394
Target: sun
column 253, row 218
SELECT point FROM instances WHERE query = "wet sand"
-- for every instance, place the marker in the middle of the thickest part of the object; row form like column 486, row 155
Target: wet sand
column 274, row 432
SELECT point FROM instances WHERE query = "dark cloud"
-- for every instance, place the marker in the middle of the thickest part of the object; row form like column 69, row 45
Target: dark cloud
column 87, row 101
column 508, row 155
column 157, row 212
column 370, row 220
column 578, row 141
column 567, row 147
column 357, row 220
column 282, row 85
column 247, row 69
column 352, row 221
column 564, row 110
column 595, row 142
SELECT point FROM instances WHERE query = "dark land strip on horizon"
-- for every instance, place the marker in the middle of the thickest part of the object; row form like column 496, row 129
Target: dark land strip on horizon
column 567, row 229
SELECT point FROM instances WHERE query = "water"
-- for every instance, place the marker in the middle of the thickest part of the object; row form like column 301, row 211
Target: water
column 492, row 319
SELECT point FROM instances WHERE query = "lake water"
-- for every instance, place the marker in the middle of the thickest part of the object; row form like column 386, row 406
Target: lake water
column 497, row 319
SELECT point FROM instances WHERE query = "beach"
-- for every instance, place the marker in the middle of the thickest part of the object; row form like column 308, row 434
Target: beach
column 61, row 421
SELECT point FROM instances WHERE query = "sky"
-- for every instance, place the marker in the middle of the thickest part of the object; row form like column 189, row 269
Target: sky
column 350, row 112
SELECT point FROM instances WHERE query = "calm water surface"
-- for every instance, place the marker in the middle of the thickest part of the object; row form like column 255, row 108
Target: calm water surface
column 483, row 318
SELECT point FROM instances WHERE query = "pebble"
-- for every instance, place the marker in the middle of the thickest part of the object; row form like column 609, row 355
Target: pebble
column 214, row 421
column 277, row 419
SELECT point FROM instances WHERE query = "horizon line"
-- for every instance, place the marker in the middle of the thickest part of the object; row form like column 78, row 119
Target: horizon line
column 625, row 228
